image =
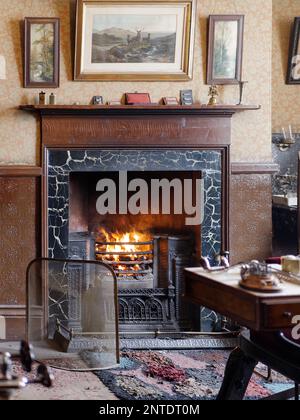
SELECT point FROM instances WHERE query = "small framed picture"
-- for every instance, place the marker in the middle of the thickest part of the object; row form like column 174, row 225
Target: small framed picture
column 293, row 75
column 170, row 101
column 186, row 97
column 41, row 52
column 97, row 100
column 225, row 49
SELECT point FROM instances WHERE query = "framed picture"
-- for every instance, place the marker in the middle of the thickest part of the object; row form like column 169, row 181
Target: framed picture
column 293, row 75
column 170, row 101
column 225, row 49
column 186, row 97
column 42, row 50
column 136, row 40
column 97, row 100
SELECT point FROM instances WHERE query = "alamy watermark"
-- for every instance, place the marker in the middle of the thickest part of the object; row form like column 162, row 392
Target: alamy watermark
column 156, row 197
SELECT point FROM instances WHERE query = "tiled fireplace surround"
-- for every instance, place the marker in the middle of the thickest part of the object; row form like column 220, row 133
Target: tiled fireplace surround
column 62, row 163
column 190, row 140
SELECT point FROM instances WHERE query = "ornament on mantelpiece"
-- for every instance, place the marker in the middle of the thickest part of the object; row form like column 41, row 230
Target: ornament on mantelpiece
column 52, row 99
column 42, row 98
column 213, row 93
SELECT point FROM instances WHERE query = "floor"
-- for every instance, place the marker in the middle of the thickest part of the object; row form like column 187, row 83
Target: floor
column 68, row 385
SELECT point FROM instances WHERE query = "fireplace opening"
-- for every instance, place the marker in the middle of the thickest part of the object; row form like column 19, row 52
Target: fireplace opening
column 147, row 251
column 84, row 217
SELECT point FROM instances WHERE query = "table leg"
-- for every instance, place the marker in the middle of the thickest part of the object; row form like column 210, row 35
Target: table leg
column 238, row 373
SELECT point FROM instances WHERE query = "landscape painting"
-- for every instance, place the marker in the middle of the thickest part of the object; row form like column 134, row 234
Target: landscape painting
column 225, row 48
column 42, row 52
column 134, row 39
column 142, row 40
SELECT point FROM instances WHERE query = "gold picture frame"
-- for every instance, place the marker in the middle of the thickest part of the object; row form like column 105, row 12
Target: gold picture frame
column 121, row 40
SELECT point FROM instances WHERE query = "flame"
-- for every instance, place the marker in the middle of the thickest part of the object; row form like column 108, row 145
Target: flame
column 124, row 247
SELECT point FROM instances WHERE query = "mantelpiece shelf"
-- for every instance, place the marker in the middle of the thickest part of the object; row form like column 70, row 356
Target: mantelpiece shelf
column 219, row 110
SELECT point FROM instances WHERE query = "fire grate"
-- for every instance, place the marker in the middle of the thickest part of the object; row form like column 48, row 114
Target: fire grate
column 131, row 261
column 150, row 273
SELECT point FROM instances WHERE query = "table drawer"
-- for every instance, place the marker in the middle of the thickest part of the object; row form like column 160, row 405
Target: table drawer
column 205, row 293
column 277, row 315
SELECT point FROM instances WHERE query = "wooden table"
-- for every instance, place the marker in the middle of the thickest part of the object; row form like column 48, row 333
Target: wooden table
column 265, row 315
column 221, row 292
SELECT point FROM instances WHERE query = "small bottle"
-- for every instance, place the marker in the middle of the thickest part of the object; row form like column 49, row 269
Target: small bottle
column 52, row 99
column 42, row 98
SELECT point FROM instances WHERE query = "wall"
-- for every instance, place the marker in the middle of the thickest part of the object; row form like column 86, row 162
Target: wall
column 19, row 132
column 285, row 98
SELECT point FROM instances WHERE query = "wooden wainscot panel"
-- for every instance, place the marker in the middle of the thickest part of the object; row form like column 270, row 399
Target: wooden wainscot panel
column 21, row 171
column 251, row 211
column 20, row 241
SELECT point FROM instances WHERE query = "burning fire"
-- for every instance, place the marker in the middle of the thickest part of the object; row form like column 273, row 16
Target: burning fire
column 126, row 252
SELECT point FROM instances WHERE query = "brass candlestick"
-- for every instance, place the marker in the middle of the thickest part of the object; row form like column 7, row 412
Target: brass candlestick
column 213, row 93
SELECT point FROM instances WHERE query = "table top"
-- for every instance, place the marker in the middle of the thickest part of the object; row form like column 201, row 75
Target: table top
column 232, row 277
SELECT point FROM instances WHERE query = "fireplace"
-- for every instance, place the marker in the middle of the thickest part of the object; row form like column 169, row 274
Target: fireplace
column 147, row 251
column 82, row 144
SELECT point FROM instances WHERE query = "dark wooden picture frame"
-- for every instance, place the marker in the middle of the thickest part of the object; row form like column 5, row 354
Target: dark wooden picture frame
column 294, row 52
column 237, row 49
column 47, row 69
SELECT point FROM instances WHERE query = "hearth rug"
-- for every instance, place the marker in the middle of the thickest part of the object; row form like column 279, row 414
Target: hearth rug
column 180, row 375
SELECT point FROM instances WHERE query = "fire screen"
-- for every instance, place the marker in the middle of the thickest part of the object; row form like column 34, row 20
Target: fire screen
column 72, row 318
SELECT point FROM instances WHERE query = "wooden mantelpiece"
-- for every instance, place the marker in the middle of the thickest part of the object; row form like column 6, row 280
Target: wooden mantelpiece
column 151, row 110
column 76, row 126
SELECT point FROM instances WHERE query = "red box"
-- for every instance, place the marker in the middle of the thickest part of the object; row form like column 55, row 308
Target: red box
column 137, row 98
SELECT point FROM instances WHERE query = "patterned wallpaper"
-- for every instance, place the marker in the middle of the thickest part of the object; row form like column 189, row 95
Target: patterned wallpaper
column 286, row 98
column 19, row 138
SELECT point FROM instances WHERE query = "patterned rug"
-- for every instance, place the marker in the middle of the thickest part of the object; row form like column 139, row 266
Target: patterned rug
column 180, row 375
